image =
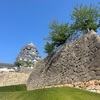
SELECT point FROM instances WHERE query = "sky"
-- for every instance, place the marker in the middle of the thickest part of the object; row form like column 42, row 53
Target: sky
column 25, row 21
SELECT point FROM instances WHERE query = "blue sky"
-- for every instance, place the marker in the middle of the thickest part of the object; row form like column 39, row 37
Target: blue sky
column 25, row 21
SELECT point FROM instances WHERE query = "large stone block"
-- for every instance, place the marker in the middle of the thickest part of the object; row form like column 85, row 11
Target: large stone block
column 97, row 73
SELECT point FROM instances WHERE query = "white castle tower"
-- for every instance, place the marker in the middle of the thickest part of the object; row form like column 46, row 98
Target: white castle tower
column 29, row 53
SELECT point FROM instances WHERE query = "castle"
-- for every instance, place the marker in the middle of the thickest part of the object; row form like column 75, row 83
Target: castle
column 29, row 53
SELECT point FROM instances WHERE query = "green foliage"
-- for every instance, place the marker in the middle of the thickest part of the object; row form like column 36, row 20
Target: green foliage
column 49, row 48
column 27, row 64
column 58, row 36
column 85, row 17
column 13, row 88
column 23, row 63
column 18, row 63
column 59, row 33
column 61, row 93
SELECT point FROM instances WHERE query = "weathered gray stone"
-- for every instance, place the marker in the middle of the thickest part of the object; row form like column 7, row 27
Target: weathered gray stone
column 78, row 61
column 97, row 73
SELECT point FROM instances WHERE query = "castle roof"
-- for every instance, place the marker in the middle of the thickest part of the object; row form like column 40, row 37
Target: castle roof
column 31, row 44
column 7, row 65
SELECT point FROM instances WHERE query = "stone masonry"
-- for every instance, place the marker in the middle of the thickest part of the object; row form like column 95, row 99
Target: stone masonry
column 12, row 78
column 77, row 62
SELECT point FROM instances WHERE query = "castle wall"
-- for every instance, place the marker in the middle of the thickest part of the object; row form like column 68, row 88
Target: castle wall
column 12, row 78
column 26, row 70
column 76, row 62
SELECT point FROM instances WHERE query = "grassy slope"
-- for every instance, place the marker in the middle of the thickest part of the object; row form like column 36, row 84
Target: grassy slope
column 61, row 93
column 13, row 88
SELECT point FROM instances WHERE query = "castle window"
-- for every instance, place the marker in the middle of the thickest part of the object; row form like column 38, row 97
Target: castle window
column 25, row 59
column 28, row 48
column 20, row 58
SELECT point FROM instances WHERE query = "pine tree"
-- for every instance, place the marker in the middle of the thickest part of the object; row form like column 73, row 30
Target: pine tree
column 85, row 18
column 49, row 47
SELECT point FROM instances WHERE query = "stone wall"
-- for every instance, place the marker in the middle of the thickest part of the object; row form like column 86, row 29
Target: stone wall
column 26, row 70
column 12, row 78
column 76, row 62
column 93, row 85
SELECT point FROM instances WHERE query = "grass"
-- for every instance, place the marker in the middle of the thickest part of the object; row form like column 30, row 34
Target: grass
column 13, row 88
column 58, row 93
